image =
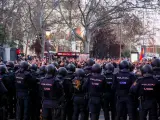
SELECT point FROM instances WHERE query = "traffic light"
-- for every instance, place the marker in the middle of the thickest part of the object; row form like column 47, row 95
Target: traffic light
column 18, row 51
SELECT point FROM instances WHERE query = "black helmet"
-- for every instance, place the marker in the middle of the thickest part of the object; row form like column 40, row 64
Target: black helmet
column 71, row 68
column 146, row 69
column 80, row 73
column 16, row 67
column 10, row 64
column 90, row 62
column 96, row 68
column 51, row 69
column 3, row 69
column 156, row 63
column 56, row 64
column 109, row 68
column 62, row 71
column 34, row 67
column 114, row 64
column 124, row 65
column 42, row 69
column 24, row 65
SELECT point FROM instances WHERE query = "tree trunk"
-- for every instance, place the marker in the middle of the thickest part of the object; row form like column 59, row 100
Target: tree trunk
column 86, row 47
column 87, row 42
column 43, row 43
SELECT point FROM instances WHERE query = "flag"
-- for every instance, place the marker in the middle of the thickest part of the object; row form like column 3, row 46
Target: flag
column 141, row 54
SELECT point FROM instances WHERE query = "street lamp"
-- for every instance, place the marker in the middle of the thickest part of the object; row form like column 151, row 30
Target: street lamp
column 48, row 34
column 48, row 37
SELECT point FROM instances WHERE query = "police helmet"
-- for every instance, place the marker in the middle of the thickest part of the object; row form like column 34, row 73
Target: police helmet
column 96, row 68
column 90, row 62
column 51, row 69
column 16, row 67
column 56, row 64
column 109, row 68
column 24, row 65
column 62, row 71
column 34, row 67
column 42, row 69
column 156, row 63
column 3, row 69
column 10, row 64
column 80, row 73
column 146, row 69
column 71, row 68
column 114, row 64
column 124, row 65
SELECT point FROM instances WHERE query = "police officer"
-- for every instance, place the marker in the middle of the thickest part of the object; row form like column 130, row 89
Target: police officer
column 9, row 81
column 122, row 83
column 88, row 71
column 22, row 91
column 109, row 95
column 146, row 88
column 34, row 93
column 42, row 71
column 51, row 93
column 3, row 94
column 79, row 101
column 95, row 86
column 62, row 73
column 156, row 72
column 68, row 89
column 88, row 67
column 56, row 64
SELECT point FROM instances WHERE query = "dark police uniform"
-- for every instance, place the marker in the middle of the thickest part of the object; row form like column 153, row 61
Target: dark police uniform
column 51, row 93
column 22, row 93
column 146, row 89
column 95, row 87
column 79, row 101
column 68, row 89
column 109, row 97
column 121, row 85
column 34, row 96
column 3, row 92
column 88, row 72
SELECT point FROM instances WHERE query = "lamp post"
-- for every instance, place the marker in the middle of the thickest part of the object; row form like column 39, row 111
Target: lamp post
column 48, row 34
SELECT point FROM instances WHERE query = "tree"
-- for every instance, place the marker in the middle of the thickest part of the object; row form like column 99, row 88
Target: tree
column 40, row 17
column 2, row 35
column 9, row 18
column 103, row 39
